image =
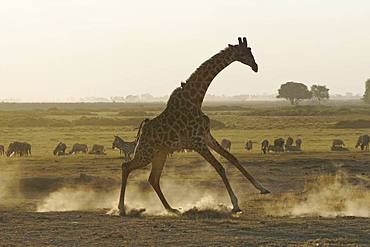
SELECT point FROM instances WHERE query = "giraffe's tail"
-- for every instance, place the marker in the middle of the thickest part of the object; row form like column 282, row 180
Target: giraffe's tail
column 140, row 127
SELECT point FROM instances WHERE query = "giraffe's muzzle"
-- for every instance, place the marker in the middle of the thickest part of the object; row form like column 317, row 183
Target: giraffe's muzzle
column 255, row 68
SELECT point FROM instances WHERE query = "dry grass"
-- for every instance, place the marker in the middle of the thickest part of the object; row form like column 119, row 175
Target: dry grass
column 188, row 182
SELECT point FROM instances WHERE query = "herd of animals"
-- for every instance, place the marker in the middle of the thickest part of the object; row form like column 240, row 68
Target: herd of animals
column 128, row 147
column 279, row 145
column 24, row 149
column 282, row 145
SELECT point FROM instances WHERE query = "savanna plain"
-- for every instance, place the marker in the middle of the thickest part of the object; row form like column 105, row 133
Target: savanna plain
column 318, row 197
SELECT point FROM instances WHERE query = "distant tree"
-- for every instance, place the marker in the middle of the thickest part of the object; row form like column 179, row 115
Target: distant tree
column 294, row 92
column 366, row 96
column 319, row 92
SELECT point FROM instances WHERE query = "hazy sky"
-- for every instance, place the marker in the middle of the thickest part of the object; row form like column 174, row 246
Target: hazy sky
column 59, row 49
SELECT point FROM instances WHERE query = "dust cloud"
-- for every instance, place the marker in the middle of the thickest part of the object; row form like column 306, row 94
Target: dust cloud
column 326, row 196
column 139, row 197
column 77, row 198
column 9, row 183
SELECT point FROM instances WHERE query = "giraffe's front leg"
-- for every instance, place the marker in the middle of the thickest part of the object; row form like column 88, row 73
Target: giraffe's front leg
column 211, row 142
column 208, row 156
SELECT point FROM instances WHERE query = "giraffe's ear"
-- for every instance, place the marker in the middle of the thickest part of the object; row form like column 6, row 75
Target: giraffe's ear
column 230, row 46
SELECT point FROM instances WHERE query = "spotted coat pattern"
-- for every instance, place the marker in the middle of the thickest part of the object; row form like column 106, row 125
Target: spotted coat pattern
column 183, row 125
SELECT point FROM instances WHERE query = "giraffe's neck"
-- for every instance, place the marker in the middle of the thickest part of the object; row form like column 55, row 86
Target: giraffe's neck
column 198, row 83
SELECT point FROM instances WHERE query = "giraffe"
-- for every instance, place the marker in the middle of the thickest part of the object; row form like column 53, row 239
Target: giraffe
column 183, row 125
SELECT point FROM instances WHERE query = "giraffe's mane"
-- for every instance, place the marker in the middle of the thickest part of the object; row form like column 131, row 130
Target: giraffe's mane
column 207, row 61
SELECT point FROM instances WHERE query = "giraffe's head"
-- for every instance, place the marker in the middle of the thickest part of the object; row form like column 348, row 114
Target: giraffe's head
column 243, row 54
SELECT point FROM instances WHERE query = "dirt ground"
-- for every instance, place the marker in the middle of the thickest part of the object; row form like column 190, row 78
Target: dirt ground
column 65, row 201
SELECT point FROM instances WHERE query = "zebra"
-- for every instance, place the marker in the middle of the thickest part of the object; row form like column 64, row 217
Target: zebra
column 77, row 147
column 363, row 142
column 226, row 144
column 127, row 148
column 2, row 150
column 60, row 149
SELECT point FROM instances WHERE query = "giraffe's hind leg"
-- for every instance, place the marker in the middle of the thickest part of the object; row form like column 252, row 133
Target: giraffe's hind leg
column 212, row 143
column 208, row 156
column 127, row 168
column 155, row 175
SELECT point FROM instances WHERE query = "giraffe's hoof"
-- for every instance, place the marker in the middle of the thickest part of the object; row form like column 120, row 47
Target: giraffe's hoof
column 174, row 211
column 122, row 212
column 236, row 210
column 265, row 191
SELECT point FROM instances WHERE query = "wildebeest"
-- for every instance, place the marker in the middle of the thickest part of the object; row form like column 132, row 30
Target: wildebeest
column 2, row 150
column 97, row 149
column 289, row 142
column 127, row 148
column 337, row 145
column 21, row 148
column 279, row 144
column 226, row 144
column 298, row 142
column 60, row 149
column 248, row 145
column 27, row 148
column 77, row 147
column 264, row 146
column 363, row 142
